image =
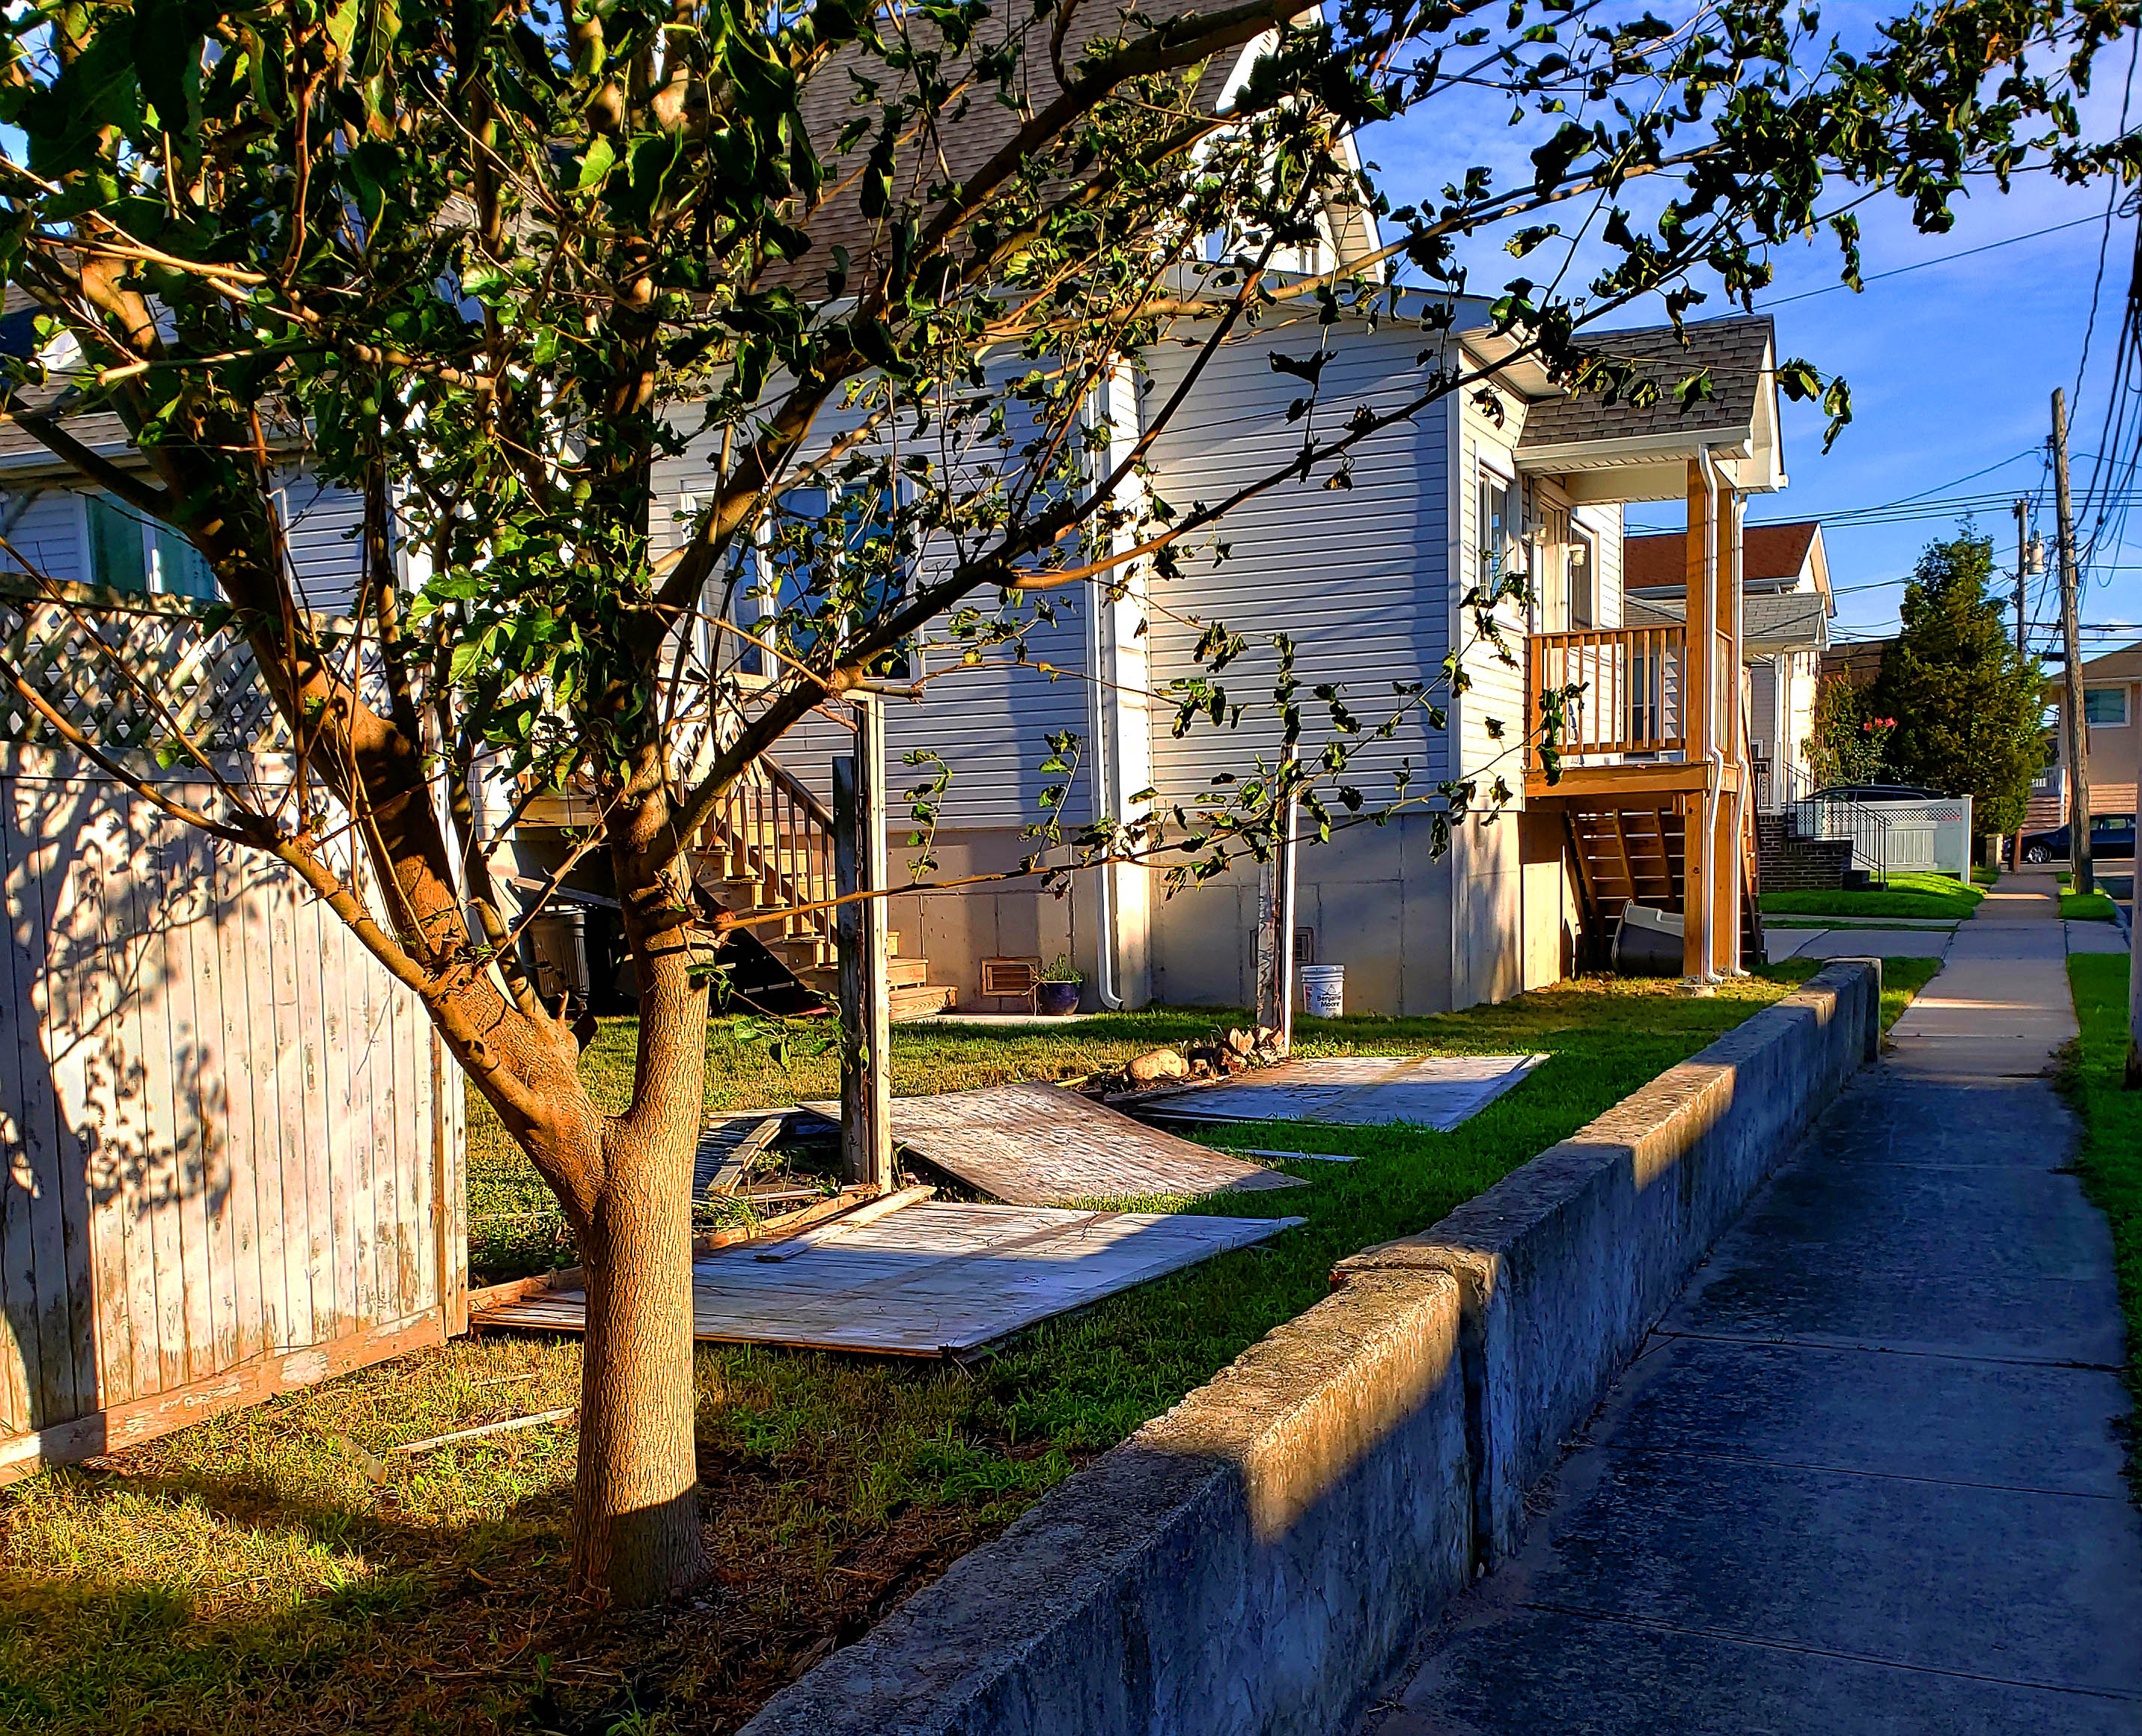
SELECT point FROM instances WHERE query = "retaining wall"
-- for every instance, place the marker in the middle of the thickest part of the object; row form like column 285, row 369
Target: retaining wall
column 1252, row 1562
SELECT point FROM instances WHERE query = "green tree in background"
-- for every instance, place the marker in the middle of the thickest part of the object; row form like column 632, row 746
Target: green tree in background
column 1969, row 716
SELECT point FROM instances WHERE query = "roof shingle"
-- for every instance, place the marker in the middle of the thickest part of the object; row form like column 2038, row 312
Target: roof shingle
column 1729, row 352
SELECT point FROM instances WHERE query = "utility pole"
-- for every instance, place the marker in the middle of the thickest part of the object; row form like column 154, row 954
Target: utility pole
column 2022, row 643
column 2073, row 727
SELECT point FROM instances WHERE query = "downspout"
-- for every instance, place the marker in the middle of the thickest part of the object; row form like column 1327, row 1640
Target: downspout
column 1100, row 772
column 1713, row 754
column 1100, row 705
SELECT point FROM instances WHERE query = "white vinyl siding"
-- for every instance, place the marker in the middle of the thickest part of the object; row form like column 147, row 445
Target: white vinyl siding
column 47, row 531
column 989, row 725
column 1492, row 717
column 1359, row 577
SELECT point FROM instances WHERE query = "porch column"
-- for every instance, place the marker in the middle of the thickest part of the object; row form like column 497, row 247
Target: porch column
column 1698, row 685
column 1732, row 732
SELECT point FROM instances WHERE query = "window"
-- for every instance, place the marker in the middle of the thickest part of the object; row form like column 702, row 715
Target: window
column 1583, row 579
column 827, row 564
column 1497, row 529
column 2110, row 823
column 2105, row 706
column 130, row 552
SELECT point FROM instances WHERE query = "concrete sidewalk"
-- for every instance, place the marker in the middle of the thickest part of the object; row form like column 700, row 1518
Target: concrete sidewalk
column 1865, row 1478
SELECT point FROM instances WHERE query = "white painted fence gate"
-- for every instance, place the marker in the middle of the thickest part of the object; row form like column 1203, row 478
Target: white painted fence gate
column 233, row 1149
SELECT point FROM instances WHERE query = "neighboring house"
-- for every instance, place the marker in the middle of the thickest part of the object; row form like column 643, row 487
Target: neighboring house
column 2112, row 710
column 63, row 530
column 1787, row 609
column 1654, row 799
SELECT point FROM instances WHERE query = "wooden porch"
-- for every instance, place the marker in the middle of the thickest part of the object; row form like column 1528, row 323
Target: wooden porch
column 1649, row 763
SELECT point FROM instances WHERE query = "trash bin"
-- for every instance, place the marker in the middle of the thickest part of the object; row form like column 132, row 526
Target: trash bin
column 1323, row 990
column 1648, row 942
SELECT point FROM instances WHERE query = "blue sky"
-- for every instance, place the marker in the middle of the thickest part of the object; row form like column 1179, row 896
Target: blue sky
column 1952, row 364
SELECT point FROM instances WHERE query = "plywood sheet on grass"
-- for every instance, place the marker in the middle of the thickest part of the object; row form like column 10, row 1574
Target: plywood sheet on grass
column 1434, row 1091
column 1033, row 1144
column 932, row 1278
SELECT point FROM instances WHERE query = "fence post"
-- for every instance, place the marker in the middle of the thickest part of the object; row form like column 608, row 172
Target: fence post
column 859, row 935
column 1275, row 928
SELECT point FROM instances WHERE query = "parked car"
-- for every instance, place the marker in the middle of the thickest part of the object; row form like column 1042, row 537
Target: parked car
column 2111, row 838
column 1875, row 792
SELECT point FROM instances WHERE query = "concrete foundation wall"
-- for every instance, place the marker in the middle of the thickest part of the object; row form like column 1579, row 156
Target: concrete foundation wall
column 1565, row 1263
column 1374, row 898
column 1247, row 1565
column 1250, row 1563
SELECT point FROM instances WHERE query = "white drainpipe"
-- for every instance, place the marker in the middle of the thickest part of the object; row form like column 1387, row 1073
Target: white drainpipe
column 1101, row 773
column 1736, row 718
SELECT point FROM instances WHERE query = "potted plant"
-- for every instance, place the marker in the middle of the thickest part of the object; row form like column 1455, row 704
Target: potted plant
column 1057, row 993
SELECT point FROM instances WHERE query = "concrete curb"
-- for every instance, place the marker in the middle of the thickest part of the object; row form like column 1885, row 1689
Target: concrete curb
column 1565, row 1263
column 1253, row 1561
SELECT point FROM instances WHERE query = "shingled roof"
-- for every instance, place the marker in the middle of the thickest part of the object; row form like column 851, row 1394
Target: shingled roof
column 1769, row 554
column 969, row 136
column 1732, row 354
column 1786, row 621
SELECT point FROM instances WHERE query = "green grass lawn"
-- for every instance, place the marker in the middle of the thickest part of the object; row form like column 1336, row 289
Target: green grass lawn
column 2086, row 906
column 1907, row 895
column 1982, row 876
column 2110, row 1162
column 276, row 1568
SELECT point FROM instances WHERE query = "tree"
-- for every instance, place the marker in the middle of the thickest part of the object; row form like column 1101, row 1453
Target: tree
column 1845, row 743
column 491, row 265
column 1968, row 707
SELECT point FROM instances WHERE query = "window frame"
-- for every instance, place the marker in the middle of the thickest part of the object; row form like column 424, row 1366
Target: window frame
column 1485, row 475
column 2125, row 709
column 153, row 532
column 903, row 665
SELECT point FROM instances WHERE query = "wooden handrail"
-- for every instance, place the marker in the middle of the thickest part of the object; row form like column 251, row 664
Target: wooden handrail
column 1633, row 695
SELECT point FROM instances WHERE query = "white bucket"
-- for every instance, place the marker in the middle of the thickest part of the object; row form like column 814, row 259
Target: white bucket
column 1323, row 990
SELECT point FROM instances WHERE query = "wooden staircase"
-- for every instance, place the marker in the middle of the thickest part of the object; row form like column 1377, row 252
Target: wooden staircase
column 768, row 845
column 1624, row 855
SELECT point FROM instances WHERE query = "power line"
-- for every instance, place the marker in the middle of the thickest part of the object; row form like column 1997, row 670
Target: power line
column 2053, row 228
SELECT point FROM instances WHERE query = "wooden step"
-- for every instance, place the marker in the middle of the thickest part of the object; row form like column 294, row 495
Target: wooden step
column 922, row 1001
column 898, row 974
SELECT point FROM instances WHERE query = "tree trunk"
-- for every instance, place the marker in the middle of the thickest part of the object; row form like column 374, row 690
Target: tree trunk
column 636, row 1537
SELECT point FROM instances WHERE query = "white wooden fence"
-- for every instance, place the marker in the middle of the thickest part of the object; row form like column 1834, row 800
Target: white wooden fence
column 233, row 1146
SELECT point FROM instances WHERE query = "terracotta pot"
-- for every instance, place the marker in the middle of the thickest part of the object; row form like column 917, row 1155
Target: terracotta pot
column 1057, row 998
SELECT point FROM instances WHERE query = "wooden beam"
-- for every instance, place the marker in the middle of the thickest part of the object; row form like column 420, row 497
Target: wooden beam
column 859, row 936
column 1628, row 862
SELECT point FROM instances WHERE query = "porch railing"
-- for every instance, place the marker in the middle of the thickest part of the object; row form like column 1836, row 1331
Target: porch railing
column 1829, row 817
column 1628, row 699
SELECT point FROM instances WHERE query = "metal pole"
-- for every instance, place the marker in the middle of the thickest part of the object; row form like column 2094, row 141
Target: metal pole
column 859, row 939
column 2022, row 646
column 2132, row 1078
column 2081, row 873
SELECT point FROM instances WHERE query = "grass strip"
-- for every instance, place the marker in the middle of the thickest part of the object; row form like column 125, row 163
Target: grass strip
column 1907, row 895
column 2086, row 906
column 2110, row 1160
column 282, row 1568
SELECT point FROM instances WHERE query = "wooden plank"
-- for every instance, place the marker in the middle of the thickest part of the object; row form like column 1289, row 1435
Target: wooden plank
column 229, row 981
column 22, row 1059
column 127, row 1425
column 1435, row 1091
column 860, row 933
column 228, row 1159
column 143, row 1032
column 280, row 1201
column 727, row 1151
column 334, row 1275
column 305, row 1233
column 933, row 1279
column 869, row 1212
column 1032, row 1144
column 200, row 1111
column 449, row 1157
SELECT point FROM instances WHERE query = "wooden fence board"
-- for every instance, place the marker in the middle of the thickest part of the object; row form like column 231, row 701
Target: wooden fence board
column 227, row 1146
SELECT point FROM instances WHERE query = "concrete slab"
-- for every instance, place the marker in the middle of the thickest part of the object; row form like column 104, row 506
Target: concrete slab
column 1542, row 1671
column 2018, row 1425
column 1442, row 1091
column 2011, row 1583
column 2095, row 937
column 1867, row 1479
column 1857, row 943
